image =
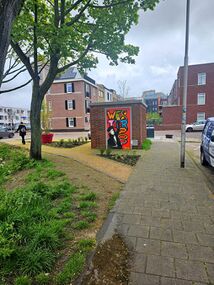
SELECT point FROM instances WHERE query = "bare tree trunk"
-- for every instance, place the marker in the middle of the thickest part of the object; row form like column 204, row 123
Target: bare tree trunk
column 35, row 120
column 9, row 9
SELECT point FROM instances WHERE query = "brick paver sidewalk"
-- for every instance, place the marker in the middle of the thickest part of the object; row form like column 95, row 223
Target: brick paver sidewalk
column 166, row 215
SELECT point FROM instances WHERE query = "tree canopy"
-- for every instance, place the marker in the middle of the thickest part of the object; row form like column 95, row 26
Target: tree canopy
column 64, row 33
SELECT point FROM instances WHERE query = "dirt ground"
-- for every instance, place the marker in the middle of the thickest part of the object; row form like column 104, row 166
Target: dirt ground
column 109, row 264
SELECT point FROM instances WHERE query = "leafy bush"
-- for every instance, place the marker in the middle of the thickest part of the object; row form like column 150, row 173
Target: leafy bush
column 81, row 225
column 42, row 278
column 88, row 196
column 23, row 280
column 87, row 205
column 146, row 144
column 102, row 151
column 108, row 151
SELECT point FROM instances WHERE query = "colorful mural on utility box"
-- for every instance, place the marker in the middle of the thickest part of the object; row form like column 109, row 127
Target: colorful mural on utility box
column 118, row 128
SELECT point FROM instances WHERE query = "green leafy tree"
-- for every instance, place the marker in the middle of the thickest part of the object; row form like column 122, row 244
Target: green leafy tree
column 153, row 119
column 65, row 33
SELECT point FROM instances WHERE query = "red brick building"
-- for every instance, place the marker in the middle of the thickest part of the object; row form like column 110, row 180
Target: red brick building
column 68, row 101
column 200, row 96
column 129, row 115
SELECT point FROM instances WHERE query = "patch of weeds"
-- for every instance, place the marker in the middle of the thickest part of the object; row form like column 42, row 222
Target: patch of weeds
column 146, row 145
column 72, row 268
column 81, row 225
column 85, row 245
column 42, row 278
column 102, row 151
column 53, row 173
column 113, row 200
column 87, row 205
column 23, row 280
column 108, row 151
column 90, row 216
column 87, row 196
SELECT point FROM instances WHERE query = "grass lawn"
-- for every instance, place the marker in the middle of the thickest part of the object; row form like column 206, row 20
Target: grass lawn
column 48, row 219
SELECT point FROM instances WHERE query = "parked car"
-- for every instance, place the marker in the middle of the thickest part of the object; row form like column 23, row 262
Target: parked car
column 207, row 143
column 5, row 133
column 196, row 126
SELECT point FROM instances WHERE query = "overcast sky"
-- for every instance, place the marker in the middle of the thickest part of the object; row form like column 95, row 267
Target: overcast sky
column 160, row 35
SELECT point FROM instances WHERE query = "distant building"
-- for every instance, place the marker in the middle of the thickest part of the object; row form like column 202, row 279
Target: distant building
column 11, row 117
column 68, row 101
column 153, row 100
column 200, row 96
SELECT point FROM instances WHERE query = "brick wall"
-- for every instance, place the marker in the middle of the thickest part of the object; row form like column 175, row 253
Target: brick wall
column 98, row 121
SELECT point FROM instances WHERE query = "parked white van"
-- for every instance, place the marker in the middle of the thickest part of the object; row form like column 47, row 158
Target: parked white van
column 207, row 143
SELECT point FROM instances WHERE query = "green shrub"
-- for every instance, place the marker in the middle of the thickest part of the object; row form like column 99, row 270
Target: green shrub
column 86, row 245
column 23, row 280
column 146, row 144
column 113, row 200
column 108, row 151
column 90, row 216
column 102, row 151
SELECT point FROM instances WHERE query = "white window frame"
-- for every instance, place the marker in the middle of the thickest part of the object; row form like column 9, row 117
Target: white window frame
column 71, row 122
column 70, row 104
column 202, row 78
column 49, row 106
column 201, row 99
column 201, row 116
column 69, row 87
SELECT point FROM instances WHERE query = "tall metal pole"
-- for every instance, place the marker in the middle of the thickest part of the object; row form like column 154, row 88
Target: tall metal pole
column 184, row 107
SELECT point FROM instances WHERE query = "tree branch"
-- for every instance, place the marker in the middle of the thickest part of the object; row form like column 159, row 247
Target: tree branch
column 23, row 58
column 72, row 7
column 78, row 16
column 8, row 80
column 109, row 5
column 16, row 88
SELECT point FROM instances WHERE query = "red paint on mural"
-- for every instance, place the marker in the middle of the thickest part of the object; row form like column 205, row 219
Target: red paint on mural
column 118, row 128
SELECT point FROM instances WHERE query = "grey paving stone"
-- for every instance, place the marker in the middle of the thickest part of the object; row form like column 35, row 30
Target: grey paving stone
column 150, row 221
column 131, row 219
column 161, row 213
column 148, row 246
column 161, row 234
column 172, row 249
column 190, row 270
column 193, row 227
column 139, row 263
column 172, row 281
column 209, row 229
column 138, row 231
column 160, row 265
column 143, row 279
column 130, row 242
column 202, row 253
column 171, row 223
column 184, row 237
column 206, row 240
column 210, row 271
column 143, row 211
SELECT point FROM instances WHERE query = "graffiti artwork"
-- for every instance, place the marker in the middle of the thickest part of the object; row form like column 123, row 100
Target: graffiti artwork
column 118, row 128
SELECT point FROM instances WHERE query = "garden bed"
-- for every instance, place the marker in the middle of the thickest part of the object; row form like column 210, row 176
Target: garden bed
column 123, row 158
column 69, row 143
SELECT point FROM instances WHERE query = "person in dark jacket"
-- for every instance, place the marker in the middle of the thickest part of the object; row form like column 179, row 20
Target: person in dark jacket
column 22, row 131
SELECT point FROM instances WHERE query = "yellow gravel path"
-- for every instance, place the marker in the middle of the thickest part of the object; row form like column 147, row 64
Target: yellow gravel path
column 87, row 156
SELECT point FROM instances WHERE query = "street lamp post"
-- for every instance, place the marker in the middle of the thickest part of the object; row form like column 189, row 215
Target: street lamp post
column 184, row 105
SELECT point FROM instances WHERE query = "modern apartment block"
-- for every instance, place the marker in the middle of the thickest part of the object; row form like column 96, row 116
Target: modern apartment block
column 68, row 101
column 153, row 100
column 200, row 95
column 11, row 117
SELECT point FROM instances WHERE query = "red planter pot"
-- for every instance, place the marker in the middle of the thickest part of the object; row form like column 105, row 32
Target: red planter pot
column 47, row 138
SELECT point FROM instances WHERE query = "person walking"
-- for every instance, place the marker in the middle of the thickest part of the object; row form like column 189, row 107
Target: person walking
column 22, row 131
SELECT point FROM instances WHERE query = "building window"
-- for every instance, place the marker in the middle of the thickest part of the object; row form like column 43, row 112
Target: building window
column 70, row 104
column 108, row 96
column 201, row 78
column 201, row 98
column 49, row 106
column 1, row 117
column 5, row 117
column 87, row 90
column 86, row 120
column 71, row 122
column 201, row 116
column 69, row 87
column 87, row 108
column 1, row 110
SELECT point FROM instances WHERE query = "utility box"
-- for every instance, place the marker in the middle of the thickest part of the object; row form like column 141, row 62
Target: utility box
column 150, row 132
column 118, row 125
